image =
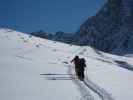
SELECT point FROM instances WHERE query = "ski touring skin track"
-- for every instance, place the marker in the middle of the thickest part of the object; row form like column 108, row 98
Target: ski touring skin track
column 103, row 94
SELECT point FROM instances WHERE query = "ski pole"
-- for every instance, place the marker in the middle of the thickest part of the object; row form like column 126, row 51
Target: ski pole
column 87, row 73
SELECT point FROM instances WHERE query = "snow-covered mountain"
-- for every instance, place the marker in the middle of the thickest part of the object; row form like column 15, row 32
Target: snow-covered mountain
column 24, row 57
column 58, row 36
column 42, row 34
column 111, row 29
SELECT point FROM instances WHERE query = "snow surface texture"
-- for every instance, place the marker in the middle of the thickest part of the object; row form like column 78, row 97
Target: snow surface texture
column 23, row 58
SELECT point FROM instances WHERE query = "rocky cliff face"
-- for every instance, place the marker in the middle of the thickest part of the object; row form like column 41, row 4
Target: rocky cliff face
column 111, row 29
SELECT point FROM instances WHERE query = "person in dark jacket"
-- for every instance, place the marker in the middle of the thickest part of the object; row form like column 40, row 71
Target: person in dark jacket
column 82, row 65
column 79, row 67
column 76, row 61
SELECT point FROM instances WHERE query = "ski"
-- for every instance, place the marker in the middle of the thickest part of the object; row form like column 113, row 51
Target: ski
column 59, row 78
column 47, row 74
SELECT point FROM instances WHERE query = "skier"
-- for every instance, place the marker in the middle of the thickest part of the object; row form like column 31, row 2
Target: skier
column 79, row 67
column 81, row 70
column 76, row 61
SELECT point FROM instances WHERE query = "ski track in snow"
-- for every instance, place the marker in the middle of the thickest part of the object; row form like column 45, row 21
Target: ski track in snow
column 25, row 58
column 87, row 85
column 86, row 95
column 103, row 94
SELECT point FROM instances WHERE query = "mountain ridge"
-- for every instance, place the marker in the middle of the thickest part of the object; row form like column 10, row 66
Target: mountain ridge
column 110, row 30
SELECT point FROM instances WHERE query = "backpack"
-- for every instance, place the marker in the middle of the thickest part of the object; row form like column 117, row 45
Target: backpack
column 82, row 62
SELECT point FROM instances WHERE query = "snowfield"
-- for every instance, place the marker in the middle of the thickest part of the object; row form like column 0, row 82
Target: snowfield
column 24, row 60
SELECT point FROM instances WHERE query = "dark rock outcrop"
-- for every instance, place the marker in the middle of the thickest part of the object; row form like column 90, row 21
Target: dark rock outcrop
column 110, row 30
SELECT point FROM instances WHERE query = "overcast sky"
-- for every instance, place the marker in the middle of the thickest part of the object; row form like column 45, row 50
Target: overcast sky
column 48, row 15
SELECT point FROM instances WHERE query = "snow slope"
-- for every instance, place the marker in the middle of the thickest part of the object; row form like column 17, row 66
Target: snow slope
column 23, row 58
